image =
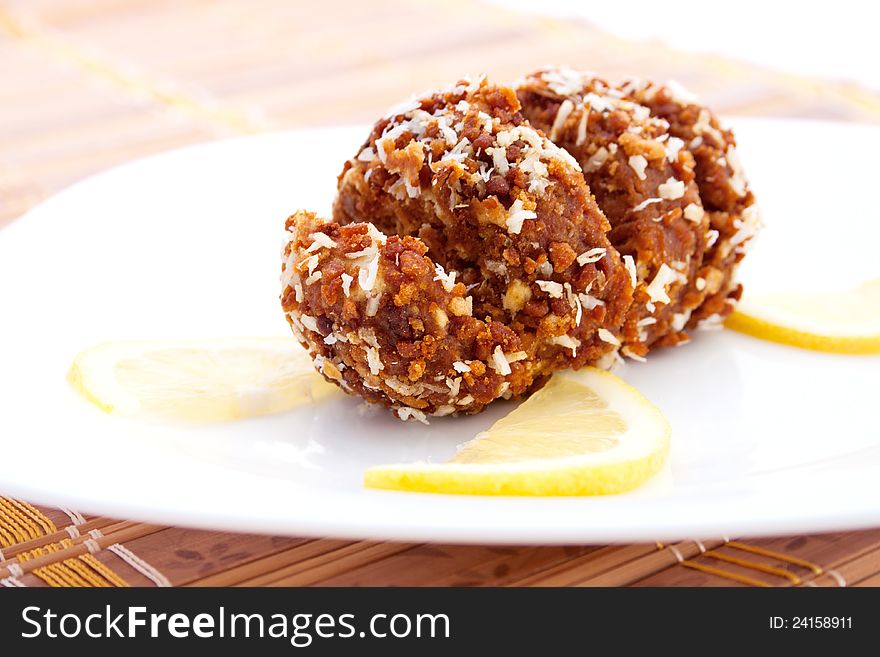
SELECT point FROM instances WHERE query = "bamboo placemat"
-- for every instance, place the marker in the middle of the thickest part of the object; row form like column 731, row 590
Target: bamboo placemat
column 90, row 84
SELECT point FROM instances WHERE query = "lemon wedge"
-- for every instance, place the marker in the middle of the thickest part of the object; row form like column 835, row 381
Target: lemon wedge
column 199, row 380
column 584, row 433
column 844, row 322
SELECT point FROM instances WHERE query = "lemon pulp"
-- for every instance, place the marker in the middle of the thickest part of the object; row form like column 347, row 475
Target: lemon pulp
column 199, row 381
column 584, row 433
column 842, row 322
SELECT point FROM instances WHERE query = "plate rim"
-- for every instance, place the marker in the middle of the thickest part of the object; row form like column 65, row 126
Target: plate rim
column 863, row 516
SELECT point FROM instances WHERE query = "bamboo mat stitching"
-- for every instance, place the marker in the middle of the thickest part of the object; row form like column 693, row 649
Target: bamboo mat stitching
column 144, row 568
column 19, row 522
column 75, row 516
column 72, row 563
column 792, row 578
column 12, row 582
column 82, row 570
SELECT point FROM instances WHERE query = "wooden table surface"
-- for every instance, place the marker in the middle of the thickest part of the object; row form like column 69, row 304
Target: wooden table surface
column 90, row 84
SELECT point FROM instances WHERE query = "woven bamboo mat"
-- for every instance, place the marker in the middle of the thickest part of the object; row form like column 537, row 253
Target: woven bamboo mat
column 90, row 84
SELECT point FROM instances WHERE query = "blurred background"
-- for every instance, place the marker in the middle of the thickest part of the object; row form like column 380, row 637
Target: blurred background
column 90, row 83
column 835, row 41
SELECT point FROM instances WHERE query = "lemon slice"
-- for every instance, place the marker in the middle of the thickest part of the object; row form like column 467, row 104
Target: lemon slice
column 199, row 381
column 844, row 322
column 584, row 433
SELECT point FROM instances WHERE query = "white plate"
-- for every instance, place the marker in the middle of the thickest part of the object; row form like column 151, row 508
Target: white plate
column 767, row 439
